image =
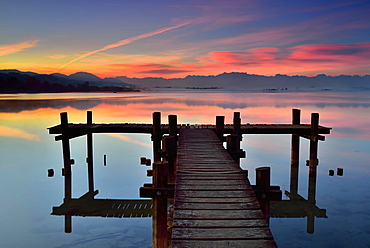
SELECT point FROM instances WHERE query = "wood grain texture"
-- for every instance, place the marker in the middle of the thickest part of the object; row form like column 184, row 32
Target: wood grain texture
column 215, row 205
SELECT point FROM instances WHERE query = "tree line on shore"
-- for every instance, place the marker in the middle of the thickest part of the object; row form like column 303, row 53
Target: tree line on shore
column 12, row 83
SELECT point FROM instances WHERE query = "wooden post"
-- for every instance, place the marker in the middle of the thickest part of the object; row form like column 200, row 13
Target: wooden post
column 66, row 157
column 220, row 127
column 172, row 126
column 263, row 175
column 156, row 135
column 233, row 147
column 159, row 217
column 90, row 162
column 236, row 124
column 294, row 157
column 263, row 178
column 169, row 147
column 313, row 158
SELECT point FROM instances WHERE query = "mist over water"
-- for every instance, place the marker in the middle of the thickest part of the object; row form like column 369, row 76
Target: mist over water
column 28, row 151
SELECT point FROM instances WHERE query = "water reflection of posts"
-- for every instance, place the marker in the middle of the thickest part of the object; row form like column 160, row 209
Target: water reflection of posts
column 294, row 161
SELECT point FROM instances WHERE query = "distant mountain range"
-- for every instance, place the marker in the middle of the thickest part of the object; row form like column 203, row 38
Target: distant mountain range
column 248, row 82
column 226, row 81
column 14, row 81
column 76, row 78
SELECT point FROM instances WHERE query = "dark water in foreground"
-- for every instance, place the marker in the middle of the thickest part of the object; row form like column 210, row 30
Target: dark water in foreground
column 27, row 151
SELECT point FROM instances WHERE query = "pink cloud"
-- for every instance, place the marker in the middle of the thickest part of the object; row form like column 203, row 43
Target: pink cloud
column 336, row 53
column 15, row 48
column 294, row 59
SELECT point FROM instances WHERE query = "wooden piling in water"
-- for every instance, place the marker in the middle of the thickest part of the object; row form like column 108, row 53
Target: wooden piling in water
column 159, row 217
column 263, row 183
column 156, row 136
column 66, row 157
column 236, row 125
column 220, row 127
column 169, row 149
column 90, row 162
column 313, row 162
column 263, row 178
column 233, row 146
column 172, row 126
column 294, row 160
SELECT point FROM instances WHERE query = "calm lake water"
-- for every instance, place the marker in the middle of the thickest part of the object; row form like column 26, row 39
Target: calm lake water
column 27, row 151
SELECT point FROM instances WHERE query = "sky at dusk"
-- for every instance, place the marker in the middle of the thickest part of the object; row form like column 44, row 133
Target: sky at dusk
column 174, row 39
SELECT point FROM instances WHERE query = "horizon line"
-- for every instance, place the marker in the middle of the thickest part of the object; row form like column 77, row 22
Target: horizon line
column 235, row 72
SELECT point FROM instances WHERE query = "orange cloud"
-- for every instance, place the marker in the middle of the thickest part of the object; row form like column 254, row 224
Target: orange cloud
column 15, row 48
column 17, row 133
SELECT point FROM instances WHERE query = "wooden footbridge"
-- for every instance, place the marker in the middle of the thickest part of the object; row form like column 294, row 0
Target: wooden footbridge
column 200, row 195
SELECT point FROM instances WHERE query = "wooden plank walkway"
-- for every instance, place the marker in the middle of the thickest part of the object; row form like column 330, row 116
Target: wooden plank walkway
column 215, row 205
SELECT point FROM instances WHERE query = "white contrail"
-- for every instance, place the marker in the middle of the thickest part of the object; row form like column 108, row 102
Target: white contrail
column 124, row 42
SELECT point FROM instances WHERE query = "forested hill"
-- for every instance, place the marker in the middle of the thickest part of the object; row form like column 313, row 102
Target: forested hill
column 12, row 81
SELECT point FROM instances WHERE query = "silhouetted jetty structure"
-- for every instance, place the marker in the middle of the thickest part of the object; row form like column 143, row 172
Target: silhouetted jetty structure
column 200, row 197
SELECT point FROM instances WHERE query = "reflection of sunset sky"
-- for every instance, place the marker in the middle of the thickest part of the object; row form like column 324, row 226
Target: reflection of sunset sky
column 28, row 151
column 336, row 110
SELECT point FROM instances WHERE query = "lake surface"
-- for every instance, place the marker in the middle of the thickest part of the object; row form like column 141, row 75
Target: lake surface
column 27, row 151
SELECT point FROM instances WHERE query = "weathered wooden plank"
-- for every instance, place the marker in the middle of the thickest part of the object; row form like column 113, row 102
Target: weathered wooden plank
column 211, row 177
column 214, row 206
column 216, row 200
column 213, row 187
column 223, row 243
column 218, row 214
column 222, row 233
column 212, row 194
column 219, row 223
column 214, row 183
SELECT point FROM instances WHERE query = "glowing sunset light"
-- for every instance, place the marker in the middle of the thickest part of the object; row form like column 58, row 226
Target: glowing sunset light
column 17, row 133
column 176, row 39
column 129, row 139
